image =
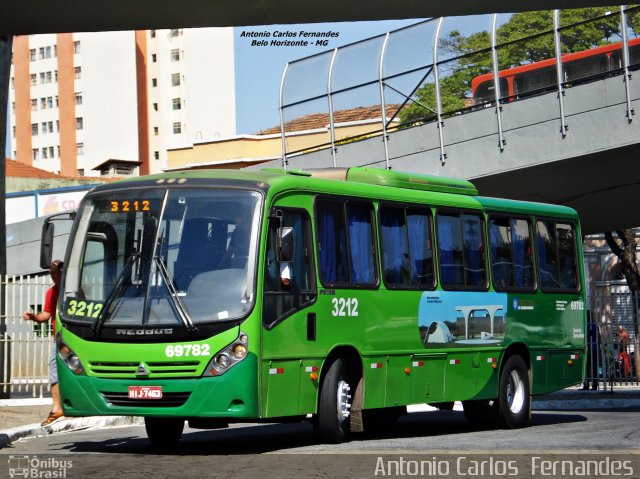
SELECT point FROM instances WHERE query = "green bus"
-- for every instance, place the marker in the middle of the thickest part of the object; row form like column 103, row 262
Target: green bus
column 335, row 295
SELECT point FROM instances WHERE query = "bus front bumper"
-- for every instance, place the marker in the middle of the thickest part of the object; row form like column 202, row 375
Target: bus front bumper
column 231, row 395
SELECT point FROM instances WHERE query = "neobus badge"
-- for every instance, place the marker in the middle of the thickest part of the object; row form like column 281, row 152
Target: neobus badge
column 144, row 332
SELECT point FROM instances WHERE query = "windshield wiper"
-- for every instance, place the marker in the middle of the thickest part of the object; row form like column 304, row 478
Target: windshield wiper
column 115, row 293
column 173, row 294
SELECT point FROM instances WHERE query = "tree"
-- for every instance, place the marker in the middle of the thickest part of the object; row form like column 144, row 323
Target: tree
column 526, row 38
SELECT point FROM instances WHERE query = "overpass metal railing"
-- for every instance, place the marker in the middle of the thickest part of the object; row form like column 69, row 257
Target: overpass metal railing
column 441, row 67
column 25, row 345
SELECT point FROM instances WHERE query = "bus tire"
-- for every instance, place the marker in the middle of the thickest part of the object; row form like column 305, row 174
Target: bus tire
column 163, row 432
column 514, row 394
column 334, row 405
column 480, row 413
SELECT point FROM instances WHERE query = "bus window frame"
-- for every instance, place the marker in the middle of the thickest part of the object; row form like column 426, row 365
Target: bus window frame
column 407, row 206
column 530, row 221
column 547, row 289
column 345, row 201
column 312, row 268
column 483, row 225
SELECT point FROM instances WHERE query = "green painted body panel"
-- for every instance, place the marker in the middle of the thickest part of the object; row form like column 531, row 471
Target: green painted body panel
column 399, row 368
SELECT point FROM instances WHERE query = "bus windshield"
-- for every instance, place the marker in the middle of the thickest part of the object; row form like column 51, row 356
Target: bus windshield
column 163, row 258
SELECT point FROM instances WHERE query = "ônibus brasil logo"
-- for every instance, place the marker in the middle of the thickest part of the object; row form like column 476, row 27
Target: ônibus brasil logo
column 33, row 466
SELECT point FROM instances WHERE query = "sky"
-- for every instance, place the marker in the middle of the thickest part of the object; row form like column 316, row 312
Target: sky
column 259, row 68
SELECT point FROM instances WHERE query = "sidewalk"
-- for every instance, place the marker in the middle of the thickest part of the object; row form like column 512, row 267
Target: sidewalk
column 576, row 399
column 21, row 417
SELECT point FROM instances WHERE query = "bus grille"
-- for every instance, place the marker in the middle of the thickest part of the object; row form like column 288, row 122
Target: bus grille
column 159, row 369
column 167, row 400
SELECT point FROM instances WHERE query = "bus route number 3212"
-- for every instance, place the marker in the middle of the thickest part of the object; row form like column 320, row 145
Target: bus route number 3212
column 344, row 307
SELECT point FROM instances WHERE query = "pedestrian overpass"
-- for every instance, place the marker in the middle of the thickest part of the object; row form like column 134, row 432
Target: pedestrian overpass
column 574, row 139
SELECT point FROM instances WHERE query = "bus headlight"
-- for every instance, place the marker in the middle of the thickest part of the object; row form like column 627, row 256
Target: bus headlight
column 69, row 358
column 228, row 357
column 239, row 351
column 222, row 361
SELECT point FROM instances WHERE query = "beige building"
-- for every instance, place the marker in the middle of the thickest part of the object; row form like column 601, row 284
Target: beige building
column 302, row 134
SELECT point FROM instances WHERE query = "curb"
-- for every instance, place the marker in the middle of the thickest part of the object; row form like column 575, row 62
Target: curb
column 68, row 424
column 567, row 404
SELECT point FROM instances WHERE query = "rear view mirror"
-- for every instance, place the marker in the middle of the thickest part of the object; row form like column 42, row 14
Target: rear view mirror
column 46, row 245
column 47, row 237
column 285, row 244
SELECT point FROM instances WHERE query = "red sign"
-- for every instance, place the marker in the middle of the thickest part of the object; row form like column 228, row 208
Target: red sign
column 145, row 392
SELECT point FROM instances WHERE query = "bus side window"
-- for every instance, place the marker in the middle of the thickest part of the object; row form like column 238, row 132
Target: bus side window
column 567, row 256
column 585, row 68
column 394, row 246
column 407, row 256
column 557, row 255
column 345, row 243
column 535, row 81
column 461, row 250
column 485, row 92
column 332, row 239
column 547, row 260
column 511, row 253
column 289, row 286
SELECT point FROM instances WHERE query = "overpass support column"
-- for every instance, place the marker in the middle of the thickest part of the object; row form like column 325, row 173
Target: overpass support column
column 5, row 69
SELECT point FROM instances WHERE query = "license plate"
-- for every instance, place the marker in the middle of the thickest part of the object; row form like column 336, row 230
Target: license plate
column 145, row 392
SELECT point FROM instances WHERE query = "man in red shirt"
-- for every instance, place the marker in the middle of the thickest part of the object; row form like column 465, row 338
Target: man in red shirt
column 49, row 313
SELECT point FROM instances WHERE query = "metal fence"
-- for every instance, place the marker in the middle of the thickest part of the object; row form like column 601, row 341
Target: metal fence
column 613, row 361
column 24, row 345
column 613, row 353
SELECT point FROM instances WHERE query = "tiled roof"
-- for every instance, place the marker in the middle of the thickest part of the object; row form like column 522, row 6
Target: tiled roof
column 16, row 169
column 20, row 170
column 321, row 120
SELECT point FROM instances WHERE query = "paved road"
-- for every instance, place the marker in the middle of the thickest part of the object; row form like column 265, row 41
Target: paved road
column 289, row 450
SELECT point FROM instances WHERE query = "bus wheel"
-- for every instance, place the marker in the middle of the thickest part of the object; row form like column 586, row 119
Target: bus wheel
column 514, row 399
column 481, row 414
column 334, row 406
column 163, row 432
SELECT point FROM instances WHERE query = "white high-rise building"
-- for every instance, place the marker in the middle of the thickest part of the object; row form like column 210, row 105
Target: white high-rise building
column 80, row 100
